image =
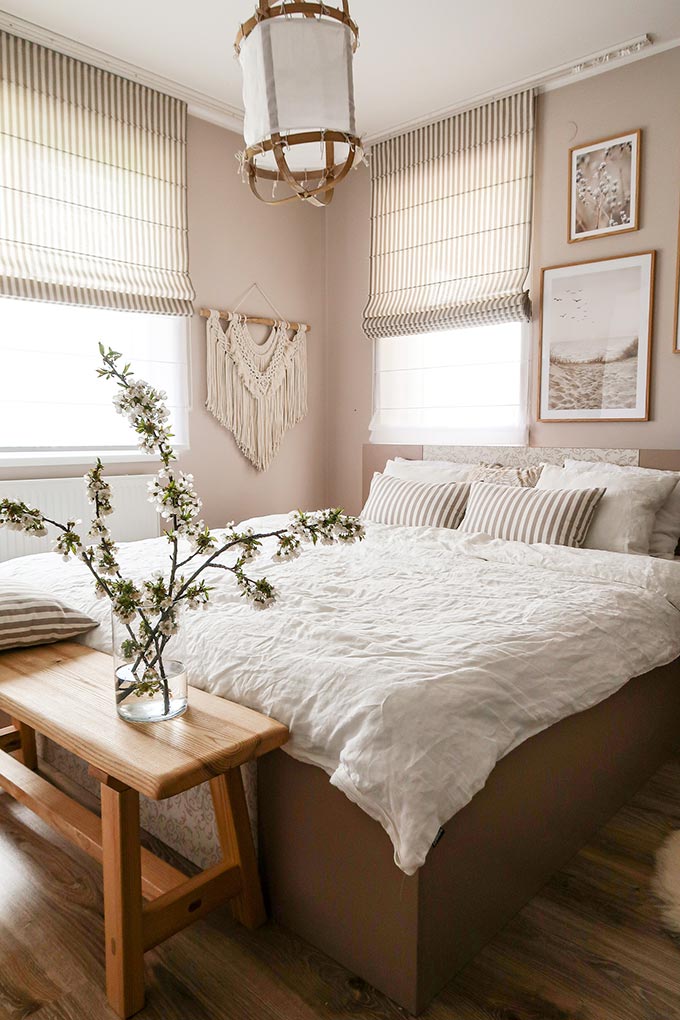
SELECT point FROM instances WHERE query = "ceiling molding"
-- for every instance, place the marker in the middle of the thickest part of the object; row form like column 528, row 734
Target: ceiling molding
column 555, row 78
column 231, row 117
column 198, row 103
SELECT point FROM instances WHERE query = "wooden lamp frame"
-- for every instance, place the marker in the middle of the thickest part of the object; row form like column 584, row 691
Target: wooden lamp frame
column 323, row 179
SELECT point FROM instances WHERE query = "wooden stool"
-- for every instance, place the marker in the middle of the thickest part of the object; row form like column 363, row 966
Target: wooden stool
column 65, row 691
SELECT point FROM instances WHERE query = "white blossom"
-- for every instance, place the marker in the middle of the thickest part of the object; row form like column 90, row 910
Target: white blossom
column 150, row 610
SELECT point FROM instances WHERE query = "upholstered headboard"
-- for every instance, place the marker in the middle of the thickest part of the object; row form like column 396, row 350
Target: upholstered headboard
column 376, row 456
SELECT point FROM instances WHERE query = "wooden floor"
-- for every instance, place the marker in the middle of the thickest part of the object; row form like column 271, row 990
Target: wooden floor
column 590, row 947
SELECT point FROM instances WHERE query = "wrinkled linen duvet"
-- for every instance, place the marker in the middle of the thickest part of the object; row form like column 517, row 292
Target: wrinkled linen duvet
column 407, row 665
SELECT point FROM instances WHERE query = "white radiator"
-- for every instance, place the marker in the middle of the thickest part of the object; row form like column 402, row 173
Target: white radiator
column 65, row 499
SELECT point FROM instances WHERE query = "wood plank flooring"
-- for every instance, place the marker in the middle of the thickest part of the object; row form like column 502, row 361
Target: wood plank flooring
column 589, row 947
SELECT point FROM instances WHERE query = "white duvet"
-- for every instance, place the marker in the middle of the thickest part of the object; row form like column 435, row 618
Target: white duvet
column 407, row 665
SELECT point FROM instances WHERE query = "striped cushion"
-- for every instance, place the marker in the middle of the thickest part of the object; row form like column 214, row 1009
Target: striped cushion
column 525, row 515
column 414, row 504
column 29, row 617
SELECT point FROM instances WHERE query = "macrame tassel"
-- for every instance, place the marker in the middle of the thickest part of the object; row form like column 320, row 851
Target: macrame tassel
column 257, row 392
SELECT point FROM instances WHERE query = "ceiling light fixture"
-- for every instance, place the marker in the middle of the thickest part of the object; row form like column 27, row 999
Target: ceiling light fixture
column 298, row 93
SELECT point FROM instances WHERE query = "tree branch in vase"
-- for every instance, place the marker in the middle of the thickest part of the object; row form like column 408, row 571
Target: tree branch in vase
column 147, row 612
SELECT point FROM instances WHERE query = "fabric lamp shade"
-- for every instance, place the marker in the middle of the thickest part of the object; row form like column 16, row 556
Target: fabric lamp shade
column 297, row 76
column 298, row 95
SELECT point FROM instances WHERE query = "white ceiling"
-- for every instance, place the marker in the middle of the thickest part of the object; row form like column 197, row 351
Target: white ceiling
column 417, row 57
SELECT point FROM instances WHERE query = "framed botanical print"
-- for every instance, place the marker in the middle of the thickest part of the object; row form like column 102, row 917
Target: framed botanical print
column 604, row 187
column 596, row 338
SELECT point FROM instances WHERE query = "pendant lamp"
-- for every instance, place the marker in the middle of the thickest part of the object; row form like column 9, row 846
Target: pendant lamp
column 298, row 93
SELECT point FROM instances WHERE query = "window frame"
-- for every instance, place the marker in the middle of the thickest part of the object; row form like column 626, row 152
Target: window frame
column 432, row 436
column 83, row 456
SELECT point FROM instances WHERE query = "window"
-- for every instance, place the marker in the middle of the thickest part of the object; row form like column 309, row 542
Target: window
column 453, row 386
column 53, row 407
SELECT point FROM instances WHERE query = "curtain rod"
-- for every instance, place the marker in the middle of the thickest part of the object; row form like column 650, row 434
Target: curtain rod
column 295, row 326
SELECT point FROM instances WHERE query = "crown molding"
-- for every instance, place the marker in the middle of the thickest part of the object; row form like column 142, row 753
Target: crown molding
column 545, row 81
column 198, row 103
column 231, row 117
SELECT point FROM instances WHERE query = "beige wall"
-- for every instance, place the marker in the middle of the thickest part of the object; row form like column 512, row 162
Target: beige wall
column 643, row 94
column 234, row 241
column 350, row 354
column 314, row 265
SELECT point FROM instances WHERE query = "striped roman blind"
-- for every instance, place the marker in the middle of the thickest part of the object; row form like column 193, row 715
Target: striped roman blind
column 451, row 222
column 93, row 205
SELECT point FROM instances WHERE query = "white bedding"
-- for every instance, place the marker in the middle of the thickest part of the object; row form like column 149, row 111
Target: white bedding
column 407, row 665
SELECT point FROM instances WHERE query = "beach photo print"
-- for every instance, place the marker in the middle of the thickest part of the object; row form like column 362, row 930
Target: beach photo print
column 595, row 343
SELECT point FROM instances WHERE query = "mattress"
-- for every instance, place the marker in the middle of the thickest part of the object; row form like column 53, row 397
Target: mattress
column 407, row 665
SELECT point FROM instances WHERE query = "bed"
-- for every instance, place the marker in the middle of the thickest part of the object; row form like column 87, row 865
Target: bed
column 471, row 701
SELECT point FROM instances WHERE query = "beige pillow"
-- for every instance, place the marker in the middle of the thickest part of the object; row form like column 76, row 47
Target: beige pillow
column 524, row 477
column 625, row 517
column 29, row 617
column 436, row 472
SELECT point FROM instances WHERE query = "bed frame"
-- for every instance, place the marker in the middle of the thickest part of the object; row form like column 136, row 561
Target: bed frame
column 328, row 867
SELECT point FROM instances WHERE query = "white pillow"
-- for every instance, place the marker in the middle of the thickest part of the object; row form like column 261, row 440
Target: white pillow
column 624, row 519
column 436, row 472
column 666, row 530
column 666, row 534
column 524, row 477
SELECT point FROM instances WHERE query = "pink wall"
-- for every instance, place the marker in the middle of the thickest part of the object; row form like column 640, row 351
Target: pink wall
column 234, row 241
column 314, row 265
column 350, row 354
column 642, row 94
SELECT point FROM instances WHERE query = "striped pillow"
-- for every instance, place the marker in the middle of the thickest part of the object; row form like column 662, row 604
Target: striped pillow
column 525, row 515
column 29, row 617
column 415, row 504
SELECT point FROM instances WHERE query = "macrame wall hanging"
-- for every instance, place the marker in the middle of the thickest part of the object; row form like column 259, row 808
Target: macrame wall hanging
column 257, row 391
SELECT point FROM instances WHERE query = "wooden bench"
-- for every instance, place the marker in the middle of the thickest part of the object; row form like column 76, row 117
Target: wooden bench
column 65, row 691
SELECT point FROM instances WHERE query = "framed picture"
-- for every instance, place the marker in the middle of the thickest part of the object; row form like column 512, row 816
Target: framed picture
column 604, row 187
column 596, row 339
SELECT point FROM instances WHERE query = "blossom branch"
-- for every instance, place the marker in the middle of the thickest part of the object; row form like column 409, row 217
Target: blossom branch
column 149, row 610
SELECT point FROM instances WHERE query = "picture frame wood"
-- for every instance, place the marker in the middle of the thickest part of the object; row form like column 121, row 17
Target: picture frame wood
column 594, row 366
column 603, row 191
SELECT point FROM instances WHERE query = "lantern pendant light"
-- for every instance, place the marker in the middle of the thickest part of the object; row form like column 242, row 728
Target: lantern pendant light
column 298, row 93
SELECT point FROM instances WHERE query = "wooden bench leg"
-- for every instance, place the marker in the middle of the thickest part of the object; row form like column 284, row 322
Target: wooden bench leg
column 122, row 899
column 236, row 840
column 10, row 740
column 28, row 754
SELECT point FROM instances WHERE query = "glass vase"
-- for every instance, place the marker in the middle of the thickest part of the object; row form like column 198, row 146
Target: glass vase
column 149, row 673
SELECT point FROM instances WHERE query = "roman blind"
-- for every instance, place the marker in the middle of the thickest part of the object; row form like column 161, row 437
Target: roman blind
column 451, row 222
column 93, row 205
